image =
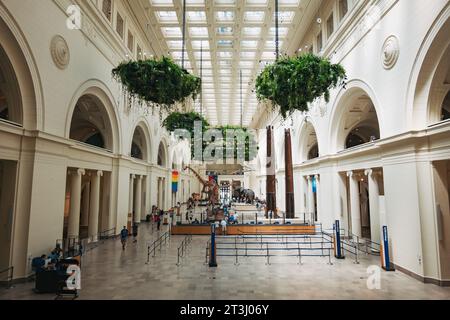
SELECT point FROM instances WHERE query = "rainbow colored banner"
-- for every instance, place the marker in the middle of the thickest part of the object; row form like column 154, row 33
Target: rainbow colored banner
column 175, row 176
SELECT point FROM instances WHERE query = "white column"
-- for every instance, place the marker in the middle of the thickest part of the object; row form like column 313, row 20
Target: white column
column 374, row 198
column 144, row 200
column 85, row 205
column 310, row 196
column 75, row 204
column 138, row 200
column 131, row 190
column 95, row 206
column 355, row 210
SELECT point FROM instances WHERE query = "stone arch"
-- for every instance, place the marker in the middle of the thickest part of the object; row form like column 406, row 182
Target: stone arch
column 163, row 155
column 356, row 112
column 308, row 141
column 427, row 89
column 140, row 144
column 93, row 107
column 21, row 89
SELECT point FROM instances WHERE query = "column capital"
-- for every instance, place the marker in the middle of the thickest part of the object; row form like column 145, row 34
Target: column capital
column 99, row 173
column 368, row 172
column 350, row 174
column 133, row 176
column 317, row 176
column 78, row 172
column 139, row 177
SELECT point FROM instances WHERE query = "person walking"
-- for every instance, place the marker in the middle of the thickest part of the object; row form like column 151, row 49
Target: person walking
column 158, row 222
column 124, row 237
column 135, row 232
column 224, row 227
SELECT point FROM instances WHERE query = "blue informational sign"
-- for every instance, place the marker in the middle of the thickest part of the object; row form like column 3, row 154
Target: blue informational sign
column 314, row 184
column 387, row 260
column 212, row 258
column 337, row 229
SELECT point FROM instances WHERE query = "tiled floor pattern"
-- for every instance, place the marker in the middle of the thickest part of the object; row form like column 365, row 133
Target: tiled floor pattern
column 110, row 273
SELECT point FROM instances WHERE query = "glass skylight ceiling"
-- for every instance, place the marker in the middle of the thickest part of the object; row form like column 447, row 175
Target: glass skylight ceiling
column 236, row 37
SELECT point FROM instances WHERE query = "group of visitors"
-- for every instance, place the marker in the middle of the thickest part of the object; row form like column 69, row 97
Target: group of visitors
column 44, row 262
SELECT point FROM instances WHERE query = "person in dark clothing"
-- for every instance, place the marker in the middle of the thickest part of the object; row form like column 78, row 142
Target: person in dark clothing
column 158, row 222
column 124, row 237
column 135, row 232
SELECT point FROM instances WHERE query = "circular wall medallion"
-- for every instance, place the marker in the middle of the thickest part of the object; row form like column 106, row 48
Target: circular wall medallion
column 390, row 52
column 60, row 52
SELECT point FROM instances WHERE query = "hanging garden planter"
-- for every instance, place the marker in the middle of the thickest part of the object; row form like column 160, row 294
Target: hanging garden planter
column 157, row 81
column 178, row 120
column 291, row 83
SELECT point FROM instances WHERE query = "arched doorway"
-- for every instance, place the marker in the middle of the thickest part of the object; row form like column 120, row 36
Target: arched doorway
column 10, row 101
column 356, row 125
column 445, row 109
column 139, row 144
column 162, row 162
column 90, row 123
column 309, row 145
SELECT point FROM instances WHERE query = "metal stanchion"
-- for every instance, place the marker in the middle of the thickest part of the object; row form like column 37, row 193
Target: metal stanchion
column 236, row 254
column 268, row 254
column 246, row 249
column 299, row 254
column 178, row 258
column 356, row 250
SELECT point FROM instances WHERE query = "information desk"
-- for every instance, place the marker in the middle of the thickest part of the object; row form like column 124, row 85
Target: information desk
column 50, row 281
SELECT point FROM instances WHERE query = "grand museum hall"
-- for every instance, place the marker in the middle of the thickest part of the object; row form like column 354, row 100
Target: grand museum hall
column 225, row 149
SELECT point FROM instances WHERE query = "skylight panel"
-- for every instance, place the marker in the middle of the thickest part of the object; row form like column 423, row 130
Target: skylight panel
column 198, row 44
column 196, row 16
column 171, row 32
column 225, row 43
column 254, row 16
column 285, row 16
column 249, row 44
column 225, row 54
column 282, row 32
column 162, row 2
column 175, row 44
column 225, row 2
column 268, row 55
column 289, row 2
column 256, row 2
column 206, row 55
column 225, row 15
column 225, row 31
column 248, row 55
column 252, row 31
column 166, row 16
column 195, row 2
column 198, row 31
column 246, row 64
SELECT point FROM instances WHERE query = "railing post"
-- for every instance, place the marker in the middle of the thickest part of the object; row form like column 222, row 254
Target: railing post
column 268, row 255
column 299, row 254
column 236, row 253
column 178, row 257
column 246, row 250
column 356, row 250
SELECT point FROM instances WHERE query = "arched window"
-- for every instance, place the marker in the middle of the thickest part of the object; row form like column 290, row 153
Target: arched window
column 90, row 123
column 10, row 100
column 445, row 111
column 162, row 161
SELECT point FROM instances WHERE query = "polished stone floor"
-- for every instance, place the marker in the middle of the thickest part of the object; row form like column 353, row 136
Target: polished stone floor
column 110, row 273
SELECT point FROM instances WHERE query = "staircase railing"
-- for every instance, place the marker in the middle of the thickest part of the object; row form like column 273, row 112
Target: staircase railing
column 151, row 249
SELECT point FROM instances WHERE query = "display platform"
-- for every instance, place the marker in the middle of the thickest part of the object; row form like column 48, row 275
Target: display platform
column 246, row 229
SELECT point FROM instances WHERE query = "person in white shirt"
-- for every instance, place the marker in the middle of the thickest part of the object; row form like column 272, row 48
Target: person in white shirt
column 224, row 227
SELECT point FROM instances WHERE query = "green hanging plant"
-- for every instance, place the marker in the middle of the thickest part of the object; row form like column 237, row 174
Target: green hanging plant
column 291, row 83
column 157, row 81
column 178, row 120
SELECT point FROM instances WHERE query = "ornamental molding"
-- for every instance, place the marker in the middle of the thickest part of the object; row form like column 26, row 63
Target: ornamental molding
column 60, row 52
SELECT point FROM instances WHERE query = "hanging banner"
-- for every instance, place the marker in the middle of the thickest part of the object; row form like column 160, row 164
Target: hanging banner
column 175, row 176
